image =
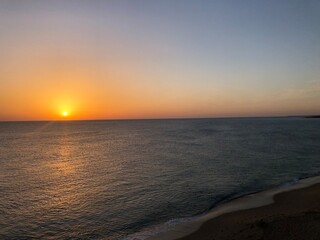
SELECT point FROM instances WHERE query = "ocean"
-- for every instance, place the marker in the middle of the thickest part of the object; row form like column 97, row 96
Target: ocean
column 130, row 179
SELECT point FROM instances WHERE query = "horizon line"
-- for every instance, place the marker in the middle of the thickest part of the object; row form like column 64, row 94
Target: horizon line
column 164, row 118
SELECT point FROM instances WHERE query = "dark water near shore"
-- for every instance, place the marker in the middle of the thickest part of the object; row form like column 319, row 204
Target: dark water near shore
column 110, row 179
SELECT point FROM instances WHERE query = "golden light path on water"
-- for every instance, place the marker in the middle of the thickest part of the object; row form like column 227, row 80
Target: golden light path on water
column 66, row 192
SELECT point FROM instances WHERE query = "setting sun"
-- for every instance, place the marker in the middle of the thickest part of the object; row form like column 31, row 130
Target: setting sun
column 65, row 114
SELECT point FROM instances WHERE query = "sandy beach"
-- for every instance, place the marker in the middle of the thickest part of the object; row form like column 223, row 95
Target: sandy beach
column 293, row 215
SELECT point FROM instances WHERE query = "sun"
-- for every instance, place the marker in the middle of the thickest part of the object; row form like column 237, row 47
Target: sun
column 65, row 114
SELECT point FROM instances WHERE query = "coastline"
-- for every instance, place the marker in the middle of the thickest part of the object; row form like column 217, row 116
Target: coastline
column 250, row 216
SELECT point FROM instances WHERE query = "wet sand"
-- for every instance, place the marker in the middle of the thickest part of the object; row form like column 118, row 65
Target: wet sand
column 293, row 215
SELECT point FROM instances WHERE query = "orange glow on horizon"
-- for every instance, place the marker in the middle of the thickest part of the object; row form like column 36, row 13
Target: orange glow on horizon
column 77, row 90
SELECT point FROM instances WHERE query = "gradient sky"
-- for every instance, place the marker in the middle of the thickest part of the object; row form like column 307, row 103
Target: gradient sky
column 158, row 59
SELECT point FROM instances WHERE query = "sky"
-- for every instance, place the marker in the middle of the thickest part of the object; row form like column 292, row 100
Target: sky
column 122, row 59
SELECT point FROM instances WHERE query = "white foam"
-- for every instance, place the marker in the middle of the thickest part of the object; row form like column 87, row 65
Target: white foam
column 158, row 229
column 185, row 227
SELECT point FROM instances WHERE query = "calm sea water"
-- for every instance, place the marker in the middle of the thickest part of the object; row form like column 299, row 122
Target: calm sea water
column 110, row 179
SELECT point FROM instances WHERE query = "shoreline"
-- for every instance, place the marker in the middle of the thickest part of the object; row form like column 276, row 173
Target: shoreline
column 205, row 226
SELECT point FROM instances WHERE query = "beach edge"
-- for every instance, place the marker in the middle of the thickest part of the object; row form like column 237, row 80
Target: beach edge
column 242, row 203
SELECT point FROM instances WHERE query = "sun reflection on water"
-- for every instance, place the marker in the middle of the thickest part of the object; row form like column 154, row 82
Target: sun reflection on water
column 65, row 164
column 66, row 186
